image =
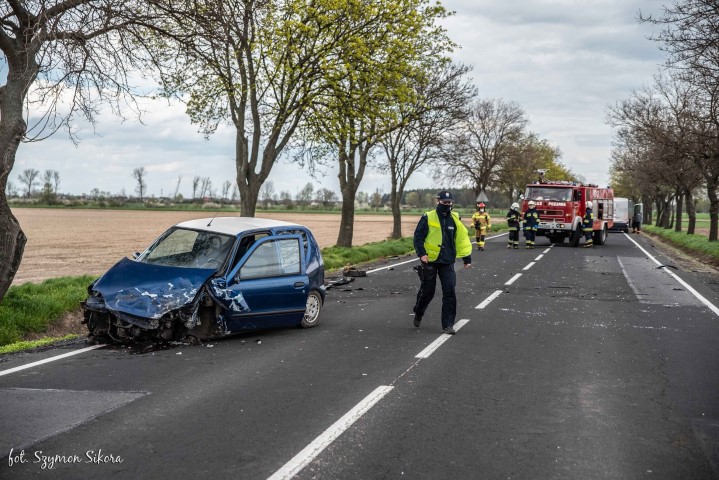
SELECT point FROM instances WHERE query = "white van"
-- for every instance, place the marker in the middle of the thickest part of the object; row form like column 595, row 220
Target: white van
column 623, row 211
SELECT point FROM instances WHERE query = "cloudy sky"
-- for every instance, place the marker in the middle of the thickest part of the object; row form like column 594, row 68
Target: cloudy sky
column 563, row 61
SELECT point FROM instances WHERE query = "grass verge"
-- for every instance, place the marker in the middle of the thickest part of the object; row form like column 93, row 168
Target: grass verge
column 337, row 257
column 696, row 245
column 31, row 308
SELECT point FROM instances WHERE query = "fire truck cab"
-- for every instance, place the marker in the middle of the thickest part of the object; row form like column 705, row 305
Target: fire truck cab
column 561, row 206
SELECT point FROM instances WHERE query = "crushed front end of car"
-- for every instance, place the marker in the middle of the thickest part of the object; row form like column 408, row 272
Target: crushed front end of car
column 136, row 301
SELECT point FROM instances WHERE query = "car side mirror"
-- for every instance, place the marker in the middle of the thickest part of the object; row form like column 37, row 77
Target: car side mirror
column 136, row 255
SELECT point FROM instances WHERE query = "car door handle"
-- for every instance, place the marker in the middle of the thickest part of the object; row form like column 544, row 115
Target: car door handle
column 299, row 284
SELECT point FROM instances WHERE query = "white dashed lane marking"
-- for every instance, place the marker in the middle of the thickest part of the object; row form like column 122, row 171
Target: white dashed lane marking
column 513, row 279
column 488, row 300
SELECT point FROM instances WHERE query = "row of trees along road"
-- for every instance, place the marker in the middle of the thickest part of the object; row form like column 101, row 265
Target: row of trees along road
column 667, row 140
column 332, row 81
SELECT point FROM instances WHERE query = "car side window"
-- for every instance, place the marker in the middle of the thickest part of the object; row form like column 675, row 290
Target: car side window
column 273, row 258
column 245, row 244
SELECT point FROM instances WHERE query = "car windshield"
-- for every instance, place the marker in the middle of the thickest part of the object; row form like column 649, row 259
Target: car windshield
column 181, row 247
column 556, row 194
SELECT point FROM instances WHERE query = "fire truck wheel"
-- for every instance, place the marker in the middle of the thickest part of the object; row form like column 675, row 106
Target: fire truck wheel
column 576, row 236
column 600, row 237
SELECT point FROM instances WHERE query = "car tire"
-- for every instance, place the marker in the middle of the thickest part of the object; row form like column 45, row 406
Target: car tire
column 312, row 310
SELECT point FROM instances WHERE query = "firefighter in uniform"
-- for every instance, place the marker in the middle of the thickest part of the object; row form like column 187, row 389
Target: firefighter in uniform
column 482, row 224
column 513, row 220
column 531, row 222
column 440, row 237
column 587, row 225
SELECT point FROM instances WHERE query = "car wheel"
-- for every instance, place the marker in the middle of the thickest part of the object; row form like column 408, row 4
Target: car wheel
column 312, row 310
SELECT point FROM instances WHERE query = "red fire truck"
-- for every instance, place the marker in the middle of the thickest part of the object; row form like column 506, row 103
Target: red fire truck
column 561, row 207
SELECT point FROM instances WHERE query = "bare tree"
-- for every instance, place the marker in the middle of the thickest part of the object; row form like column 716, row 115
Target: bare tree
column 286, row 199
column 11, row 190
column 205, row 186
column 82, row 46
column 441, row 102
column 689, row 36
column 195, row 186
column 139, row 175
column 326, row 197
column 267, row 192
column 28, row 178
column 226, row 185
column 304, row 196
column 177, row 188
column 56, row 180
column 664, row 123
column 478, row 146
column 47, row 179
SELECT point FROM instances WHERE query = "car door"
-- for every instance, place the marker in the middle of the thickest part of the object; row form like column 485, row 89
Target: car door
column 272, row 284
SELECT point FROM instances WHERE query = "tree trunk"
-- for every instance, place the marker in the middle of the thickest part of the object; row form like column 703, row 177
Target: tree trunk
column 648, row 212
column 21, row 73
column 679, row 210
column 691, row 212
column 658, row 204
column 396, row 213
column 666, row 212
column 248, row 182
column 349, row 183
column 713, row 208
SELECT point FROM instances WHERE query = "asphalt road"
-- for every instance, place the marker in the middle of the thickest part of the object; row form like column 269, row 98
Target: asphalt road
column 580, row 364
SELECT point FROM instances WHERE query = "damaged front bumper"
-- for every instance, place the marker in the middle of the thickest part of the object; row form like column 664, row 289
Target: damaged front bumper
column 113, row 325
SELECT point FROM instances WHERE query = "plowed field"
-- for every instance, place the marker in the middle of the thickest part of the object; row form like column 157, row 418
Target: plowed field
column 77, row 242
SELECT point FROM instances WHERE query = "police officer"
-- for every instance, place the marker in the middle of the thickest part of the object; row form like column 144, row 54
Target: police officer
column 440, row 237
column 513, row 218
column 531, row 222
column 482, row 223
column 587, row 225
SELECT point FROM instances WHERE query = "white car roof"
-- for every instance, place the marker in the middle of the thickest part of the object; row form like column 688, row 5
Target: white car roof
column 233, row 225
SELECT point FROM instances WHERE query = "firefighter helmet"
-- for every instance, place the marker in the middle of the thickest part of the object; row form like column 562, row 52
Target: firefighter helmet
column 531, row 203
column 589, row 204
column 480, row 204
column 515, row 206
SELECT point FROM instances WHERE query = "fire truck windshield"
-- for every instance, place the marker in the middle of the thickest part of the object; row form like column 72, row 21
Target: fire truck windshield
column 557, row 194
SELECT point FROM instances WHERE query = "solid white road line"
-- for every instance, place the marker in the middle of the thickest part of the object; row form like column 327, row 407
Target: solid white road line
column 489, row 299
column 393, row 265
column 513, row 279
column 440, row 340
column 299, row 461
column 698, row 295
column 531, row 264
column 48, row 360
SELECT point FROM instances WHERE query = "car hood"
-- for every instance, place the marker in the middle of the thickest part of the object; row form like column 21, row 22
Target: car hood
column 149, row 291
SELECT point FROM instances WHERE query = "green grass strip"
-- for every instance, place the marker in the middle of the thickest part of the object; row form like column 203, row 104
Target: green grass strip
column 698, row 244
column 337, row 257
column 32, row 307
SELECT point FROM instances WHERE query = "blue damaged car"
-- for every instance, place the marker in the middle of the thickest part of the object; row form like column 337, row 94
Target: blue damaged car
column 209, row 278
